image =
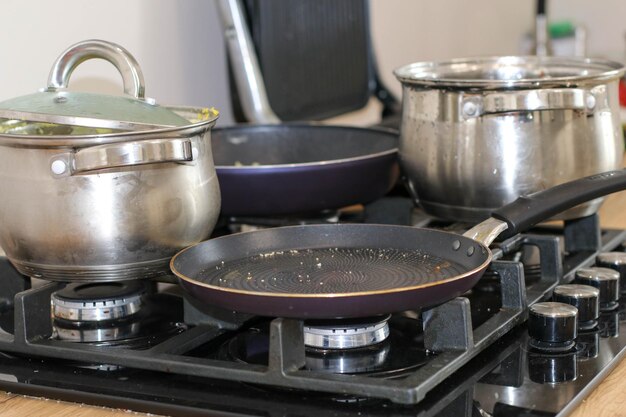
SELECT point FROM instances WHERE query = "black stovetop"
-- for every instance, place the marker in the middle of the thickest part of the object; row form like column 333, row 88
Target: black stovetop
column 187, row 362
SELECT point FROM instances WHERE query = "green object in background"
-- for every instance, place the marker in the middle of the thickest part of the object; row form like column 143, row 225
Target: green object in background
column 562, row 29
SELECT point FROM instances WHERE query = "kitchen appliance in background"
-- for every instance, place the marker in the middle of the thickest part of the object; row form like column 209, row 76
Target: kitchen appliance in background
column 542, row 44
column 308, row 60
column 560, row 38
column 566, row 39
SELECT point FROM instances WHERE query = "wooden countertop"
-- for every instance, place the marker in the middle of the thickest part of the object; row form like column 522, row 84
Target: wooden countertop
column 608, row 400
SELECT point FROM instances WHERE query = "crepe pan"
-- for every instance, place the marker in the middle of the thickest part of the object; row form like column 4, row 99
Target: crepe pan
column 287, row 169
column 355, row 270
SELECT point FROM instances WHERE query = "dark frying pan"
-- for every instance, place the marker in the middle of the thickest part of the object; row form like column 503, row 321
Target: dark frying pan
column 350, row 270
column 266, row 170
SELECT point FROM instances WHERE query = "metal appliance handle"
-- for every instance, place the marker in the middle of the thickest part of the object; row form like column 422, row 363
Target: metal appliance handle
column 76, row 54
column 245, row 65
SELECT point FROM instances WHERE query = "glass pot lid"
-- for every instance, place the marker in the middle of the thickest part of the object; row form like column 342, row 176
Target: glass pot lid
column 58, row 109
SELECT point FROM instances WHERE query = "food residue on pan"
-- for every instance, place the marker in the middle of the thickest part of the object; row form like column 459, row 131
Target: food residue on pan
column 330, row 270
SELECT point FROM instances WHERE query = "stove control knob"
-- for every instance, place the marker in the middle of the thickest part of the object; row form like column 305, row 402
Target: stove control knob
column 604, row 279
column 616, row 261
column 585, row 298
column 552, row 326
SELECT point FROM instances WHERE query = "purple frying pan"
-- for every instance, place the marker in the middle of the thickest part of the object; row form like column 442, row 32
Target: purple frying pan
column 355, row 270
column 267, row 170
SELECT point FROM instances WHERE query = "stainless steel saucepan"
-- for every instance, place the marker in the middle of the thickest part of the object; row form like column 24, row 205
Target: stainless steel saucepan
column 102, row 188
column 478, row 133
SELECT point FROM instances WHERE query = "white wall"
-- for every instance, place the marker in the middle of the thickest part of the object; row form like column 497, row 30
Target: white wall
column 179, row 43
column 407, row 31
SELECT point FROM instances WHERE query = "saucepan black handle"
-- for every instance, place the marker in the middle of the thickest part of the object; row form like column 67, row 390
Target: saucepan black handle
column 529, row 210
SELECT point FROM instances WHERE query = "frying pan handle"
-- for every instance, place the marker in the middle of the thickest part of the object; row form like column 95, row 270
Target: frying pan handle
column 529, row 210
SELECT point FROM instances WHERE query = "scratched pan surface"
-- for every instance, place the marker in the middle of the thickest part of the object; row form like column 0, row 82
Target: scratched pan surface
column 331, row 271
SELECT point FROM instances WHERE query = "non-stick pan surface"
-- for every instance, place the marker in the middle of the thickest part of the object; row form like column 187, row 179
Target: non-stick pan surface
column 266, row 170
column 325, row 271
column 353, row 270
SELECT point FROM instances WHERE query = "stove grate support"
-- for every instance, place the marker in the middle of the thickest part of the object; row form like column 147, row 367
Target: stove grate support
column 33, row 330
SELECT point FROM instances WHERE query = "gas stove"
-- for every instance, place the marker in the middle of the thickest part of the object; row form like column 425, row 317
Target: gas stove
column 144, row 346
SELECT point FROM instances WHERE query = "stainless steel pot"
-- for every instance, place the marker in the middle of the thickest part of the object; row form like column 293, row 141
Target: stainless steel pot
column 478, row 133
column 87, row 203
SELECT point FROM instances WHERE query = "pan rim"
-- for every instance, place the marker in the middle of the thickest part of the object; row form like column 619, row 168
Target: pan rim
column 194, row 282
column 307, row 164
column 320, row 126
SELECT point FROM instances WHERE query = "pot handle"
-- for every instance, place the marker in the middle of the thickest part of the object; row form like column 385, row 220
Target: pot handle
column 527, row 100
column 78, row 53
column 124, row 154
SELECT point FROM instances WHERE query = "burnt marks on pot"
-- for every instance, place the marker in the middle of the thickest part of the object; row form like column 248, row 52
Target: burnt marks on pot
column 136, row 215
column 172, row 209
column 135, row 244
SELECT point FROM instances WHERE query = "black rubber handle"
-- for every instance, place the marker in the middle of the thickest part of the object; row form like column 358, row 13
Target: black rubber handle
column 527, row 211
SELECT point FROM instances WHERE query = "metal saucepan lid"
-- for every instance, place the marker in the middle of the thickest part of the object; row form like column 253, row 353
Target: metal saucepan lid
column 509, row 72
column 54, row 110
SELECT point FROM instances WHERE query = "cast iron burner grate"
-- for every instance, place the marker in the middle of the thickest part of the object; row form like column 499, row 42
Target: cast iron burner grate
column 447, row 330
column 395, row 356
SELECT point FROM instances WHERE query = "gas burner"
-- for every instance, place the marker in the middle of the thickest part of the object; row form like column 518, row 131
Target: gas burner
column 159, row 319
column 96, row 302
column 354, row 361
column 119, row 331
column 401, row 352
column 346, row 333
